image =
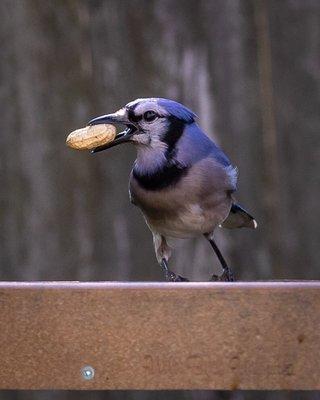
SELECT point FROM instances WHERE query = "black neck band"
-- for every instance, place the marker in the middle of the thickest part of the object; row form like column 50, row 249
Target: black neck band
column 167, row 175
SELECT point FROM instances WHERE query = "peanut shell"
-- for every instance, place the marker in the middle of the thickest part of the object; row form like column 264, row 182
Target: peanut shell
column 91, row 136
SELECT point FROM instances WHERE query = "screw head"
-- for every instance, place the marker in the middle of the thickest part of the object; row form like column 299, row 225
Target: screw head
column 87, row 372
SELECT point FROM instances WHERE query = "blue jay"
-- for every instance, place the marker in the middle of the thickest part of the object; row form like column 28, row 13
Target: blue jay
column 181, row 180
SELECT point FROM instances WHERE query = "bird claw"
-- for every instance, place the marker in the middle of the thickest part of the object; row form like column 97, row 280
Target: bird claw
column 172, row 277
column 180, row 278
column 227, row 276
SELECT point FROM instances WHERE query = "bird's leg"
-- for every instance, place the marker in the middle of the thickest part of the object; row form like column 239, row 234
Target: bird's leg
column 163, row 253
column 169, row 275
column 227, row 274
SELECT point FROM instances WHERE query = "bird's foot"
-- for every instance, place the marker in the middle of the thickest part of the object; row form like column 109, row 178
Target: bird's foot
column 172, row 277
column 169, row 275
column 227, row 276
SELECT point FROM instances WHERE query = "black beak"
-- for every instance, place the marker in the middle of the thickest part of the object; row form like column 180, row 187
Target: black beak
column 116, row 118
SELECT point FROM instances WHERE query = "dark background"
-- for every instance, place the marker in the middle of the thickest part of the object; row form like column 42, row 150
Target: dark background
column 248, row 68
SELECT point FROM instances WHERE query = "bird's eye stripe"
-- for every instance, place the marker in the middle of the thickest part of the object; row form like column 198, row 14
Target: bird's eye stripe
column 132, row 117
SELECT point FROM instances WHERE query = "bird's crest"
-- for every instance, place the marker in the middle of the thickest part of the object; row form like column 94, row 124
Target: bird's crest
column 177, row 110
column 165, row 107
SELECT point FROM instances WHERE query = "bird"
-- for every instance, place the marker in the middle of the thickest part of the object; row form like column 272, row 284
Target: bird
column 183, row 183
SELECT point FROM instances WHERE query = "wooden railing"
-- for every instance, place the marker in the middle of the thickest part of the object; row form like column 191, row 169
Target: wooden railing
column 112, row 335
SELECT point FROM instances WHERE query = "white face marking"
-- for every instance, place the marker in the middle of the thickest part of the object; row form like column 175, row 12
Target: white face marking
column 121, row 113
column 150, row 157
column 150, row 148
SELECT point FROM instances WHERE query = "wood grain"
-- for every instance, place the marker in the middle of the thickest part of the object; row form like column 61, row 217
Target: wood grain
column 160, row 335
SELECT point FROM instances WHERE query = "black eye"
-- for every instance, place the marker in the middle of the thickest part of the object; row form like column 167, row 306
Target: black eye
column 149, row 116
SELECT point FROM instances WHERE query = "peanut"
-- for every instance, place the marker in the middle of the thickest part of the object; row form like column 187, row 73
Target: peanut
column 90, row 137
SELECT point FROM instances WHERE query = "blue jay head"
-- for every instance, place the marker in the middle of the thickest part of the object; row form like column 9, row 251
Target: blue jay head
column 150, row 122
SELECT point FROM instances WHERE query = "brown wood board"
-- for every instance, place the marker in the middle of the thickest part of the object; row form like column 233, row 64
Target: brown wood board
column 262, row 335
